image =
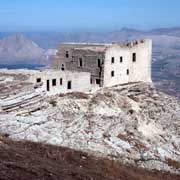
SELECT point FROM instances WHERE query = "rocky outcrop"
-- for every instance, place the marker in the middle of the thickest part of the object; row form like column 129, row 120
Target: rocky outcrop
column 132, row 123
column 18, row 94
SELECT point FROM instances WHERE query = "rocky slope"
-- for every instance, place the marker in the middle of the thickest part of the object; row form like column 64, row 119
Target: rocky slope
column 132, row 123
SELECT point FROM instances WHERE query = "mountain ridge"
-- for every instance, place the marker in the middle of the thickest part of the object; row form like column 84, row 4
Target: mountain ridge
column 17, row 48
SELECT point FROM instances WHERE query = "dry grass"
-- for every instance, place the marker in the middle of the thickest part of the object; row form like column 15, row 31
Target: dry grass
column 32, row 161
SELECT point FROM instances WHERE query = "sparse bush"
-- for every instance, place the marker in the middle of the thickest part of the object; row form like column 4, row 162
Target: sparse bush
column 77, row 95
column 173, row 163
column 53, row 102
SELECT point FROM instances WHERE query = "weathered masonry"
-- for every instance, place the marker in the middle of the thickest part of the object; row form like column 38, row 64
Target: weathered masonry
column 56, row 82
column 87, row 67
column 108, row 64
column 50, row 81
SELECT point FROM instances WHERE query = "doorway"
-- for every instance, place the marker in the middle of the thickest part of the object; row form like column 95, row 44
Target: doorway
column 47, row 84
column 69, row 85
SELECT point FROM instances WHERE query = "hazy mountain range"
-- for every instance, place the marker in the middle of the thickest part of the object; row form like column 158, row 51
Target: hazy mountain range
column 33, row 44
column 37, row 47
column 17, row 48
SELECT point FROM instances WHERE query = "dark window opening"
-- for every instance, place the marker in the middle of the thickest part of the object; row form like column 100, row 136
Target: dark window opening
column 62, row 67
column 127, row 72
column 134, row 57
column 99, row 63
column 91, row 81
column 67, row 54
column 112, row 73
column 47, row 85
column 98, row 81
column 112, row 60
column 80, row 62
column 121, row 59
column 61, row 81
column 69, row 85
column 54, row 82
column 38, row 80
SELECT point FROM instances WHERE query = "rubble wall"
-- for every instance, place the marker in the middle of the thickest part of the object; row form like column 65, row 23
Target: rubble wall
column 89, row 58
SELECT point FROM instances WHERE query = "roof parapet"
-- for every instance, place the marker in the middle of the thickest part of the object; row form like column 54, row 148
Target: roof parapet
column 131, row 43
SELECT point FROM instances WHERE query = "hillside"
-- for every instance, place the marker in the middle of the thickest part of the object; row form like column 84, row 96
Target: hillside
column 132, row 123
column 27, row 160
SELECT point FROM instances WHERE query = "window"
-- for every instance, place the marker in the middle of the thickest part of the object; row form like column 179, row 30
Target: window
column 134, row 57
column 127, row 72
column 69, row 85
column 62, row 67
column 67, row 54
column 47, row 85
column 54, row 82
column 97, row 81
column 112, row 60
column 38, row 80
column 121, row 59
column 80, row 62
column 91, row 80
column 112, row 73
column 99, row 63
column 61, row 81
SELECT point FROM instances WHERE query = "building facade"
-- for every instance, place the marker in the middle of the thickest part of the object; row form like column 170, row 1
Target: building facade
column 87, row 67
column 56, row 82
column 108, row 64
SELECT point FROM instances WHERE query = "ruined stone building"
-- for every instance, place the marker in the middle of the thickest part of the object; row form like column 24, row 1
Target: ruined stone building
column 87, row 67
column 108, row 64
column 55, row 82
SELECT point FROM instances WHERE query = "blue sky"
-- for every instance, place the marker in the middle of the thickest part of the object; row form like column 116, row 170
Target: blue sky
column 87, row 15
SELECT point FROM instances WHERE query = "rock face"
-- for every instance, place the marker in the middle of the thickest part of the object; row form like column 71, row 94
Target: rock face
column 132, row 123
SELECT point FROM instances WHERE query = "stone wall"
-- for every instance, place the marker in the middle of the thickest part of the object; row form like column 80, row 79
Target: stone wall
column 89, row 60
column 58, row 81
column 140, row 70
column 122, row 70
column 89, row 64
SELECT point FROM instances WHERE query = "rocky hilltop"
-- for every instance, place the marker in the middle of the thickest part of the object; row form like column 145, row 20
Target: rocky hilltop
column 131, row 123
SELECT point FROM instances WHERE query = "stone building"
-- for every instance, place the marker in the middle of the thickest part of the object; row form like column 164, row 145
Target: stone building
column 56, row 82
column 50, row 81
column 108, row 64
column 86, row 67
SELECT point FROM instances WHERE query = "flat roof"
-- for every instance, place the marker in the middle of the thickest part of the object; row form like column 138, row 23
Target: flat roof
column 90, row 44
column 92, row 48
column 99, row 46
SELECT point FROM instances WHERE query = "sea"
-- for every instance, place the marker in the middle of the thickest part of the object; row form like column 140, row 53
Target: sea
column 22, row 66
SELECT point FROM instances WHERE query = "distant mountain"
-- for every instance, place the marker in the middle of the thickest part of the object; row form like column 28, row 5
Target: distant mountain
column 23, row 47
column 166, row 31
column 53, row 39
column 19, row 49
